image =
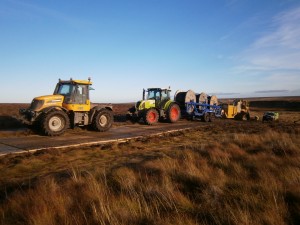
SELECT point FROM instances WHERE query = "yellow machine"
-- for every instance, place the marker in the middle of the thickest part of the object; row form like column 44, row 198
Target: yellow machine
column 68, row 106
column 239, row 110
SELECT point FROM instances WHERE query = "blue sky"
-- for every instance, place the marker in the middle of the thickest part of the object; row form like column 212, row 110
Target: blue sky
column 232, row 48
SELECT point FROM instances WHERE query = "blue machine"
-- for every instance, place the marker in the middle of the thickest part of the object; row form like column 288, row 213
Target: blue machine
column 203, row 111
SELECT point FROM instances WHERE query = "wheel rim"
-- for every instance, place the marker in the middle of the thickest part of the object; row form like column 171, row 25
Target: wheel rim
column 174, row 113
column 103, row 120
column 151, row 117
column 56, row 123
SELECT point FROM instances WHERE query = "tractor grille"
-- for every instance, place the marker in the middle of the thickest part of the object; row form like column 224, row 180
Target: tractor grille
column 36, row 104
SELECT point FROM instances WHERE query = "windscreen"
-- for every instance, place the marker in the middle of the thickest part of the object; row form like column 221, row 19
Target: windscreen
column 151, row 94
column 63, row 89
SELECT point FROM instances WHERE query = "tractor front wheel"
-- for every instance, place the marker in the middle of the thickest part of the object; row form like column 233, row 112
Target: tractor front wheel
column 103, row 120
column 173, row 114
column 55, row 123
column 151, row 116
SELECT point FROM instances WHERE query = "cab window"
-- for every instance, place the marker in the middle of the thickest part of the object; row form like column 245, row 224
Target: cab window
column 64, row 89
column 164, row 95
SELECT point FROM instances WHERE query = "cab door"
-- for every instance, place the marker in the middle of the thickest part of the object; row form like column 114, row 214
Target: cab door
column 80, row 98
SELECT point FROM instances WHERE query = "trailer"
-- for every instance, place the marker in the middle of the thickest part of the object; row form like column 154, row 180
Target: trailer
column 203, row 111
column 198, row 106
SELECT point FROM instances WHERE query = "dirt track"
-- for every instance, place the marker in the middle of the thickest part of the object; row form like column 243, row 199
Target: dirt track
column 122, row 132
column 88, row 138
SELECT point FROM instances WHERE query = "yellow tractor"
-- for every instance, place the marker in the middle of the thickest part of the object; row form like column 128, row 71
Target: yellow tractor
column 69, row 106
column 238, row 110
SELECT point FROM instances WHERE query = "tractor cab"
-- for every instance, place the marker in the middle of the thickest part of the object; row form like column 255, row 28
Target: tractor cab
column 159, row 95
column 76, row 94
column 242, row 105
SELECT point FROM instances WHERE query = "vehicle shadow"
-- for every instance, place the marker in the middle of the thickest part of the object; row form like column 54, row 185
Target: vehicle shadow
column 12, row 126
column 123, row 119
column 10, row 122
column 120, row 118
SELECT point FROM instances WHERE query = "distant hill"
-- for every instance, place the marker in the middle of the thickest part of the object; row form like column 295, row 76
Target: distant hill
column 288, row 103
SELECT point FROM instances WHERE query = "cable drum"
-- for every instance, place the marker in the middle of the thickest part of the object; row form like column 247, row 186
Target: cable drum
column 182, row 97
column 213, row 100
column 201, row 98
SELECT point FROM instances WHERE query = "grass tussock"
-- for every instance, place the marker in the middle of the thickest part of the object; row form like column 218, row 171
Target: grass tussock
column 241, row 179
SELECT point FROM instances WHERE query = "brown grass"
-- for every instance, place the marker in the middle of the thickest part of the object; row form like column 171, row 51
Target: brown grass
column 223, row 173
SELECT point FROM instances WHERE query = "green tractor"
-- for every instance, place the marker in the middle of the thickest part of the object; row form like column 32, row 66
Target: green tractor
column 157, row 105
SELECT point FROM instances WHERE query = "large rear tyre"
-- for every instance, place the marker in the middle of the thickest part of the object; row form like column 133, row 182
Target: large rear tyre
column 103, row 120
column 151, row 116
column 173, row 113
column 54, row 123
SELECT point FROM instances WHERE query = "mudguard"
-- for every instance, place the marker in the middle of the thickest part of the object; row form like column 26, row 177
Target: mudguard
column 98, row 108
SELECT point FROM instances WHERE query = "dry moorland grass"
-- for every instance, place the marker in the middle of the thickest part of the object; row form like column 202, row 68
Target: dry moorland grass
column 223, row 173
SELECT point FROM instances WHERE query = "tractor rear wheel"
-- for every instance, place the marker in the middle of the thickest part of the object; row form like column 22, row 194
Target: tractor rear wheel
column 103, row 120
column 173, row 113
column 151, row 116
column 55, row 123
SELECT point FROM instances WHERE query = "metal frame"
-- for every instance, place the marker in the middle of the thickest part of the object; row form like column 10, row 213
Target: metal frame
column 200, row 109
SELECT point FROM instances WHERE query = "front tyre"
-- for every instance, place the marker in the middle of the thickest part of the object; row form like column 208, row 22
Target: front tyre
column 55, row 123
column 173, row 113
column 151, row 116
column 103, row 120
